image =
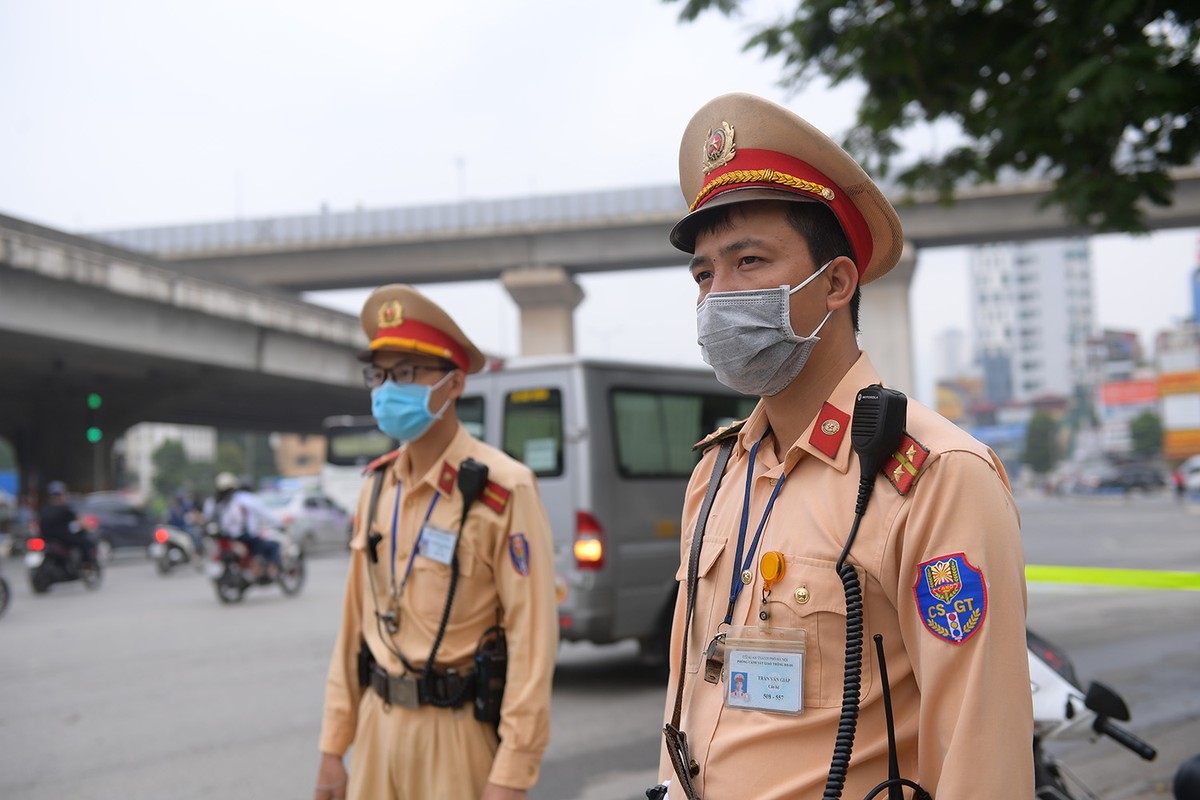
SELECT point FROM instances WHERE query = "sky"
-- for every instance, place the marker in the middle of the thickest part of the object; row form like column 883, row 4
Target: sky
column 132, row 113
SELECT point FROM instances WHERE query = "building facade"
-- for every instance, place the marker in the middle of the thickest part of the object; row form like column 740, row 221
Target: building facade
column 1032, row 310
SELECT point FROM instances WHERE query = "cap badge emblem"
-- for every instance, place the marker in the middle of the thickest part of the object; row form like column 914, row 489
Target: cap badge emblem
column 718, row 148
column 391, row 314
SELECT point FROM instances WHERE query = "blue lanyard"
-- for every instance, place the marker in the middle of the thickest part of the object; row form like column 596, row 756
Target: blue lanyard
column 735, row 583
column 416, row 545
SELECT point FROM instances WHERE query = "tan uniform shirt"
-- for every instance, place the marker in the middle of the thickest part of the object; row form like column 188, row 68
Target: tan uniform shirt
column 506, row 567
column 963, row 711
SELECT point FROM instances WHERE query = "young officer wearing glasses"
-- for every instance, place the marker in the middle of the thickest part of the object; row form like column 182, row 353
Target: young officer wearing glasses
column 431, row 583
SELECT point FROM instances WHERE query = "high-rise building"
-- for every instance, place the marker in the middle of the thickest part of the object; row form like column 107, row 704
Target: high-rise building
column 1032, row 309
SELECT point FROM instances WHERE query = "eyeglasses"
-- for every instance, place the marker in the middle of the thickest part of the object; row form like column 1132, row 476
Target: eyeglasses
column 374, row 376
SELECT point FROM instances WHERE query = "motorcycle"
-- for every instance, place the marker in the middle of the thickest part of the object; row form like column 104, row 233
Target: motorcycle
column 50, row 562
column 1062, row 710
column 171, row 548
column 234, row 569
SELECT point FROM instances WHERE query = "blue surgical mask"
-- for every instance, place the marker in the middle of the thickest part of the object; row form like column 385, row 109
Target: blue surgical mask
column 402, row 411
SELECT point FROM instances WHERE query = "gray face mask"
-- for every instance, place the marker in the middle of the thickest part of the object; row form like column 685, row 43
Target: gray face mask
column 747, row 338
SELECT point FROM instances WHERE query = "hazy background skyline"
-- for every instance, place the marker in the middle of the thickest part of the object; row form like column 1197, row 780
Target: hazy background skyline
column 136, row 113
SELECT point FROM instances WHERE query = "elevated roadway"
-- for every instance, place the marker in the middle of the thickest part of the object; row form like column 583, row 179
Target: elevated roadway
column 79, row 316
column 579, row 233
column 536, row 246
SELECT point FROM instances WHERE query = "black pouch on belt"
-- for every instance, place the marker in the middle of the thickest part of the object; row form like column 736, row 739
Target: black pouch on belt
column 365, row 662
column 491, row 664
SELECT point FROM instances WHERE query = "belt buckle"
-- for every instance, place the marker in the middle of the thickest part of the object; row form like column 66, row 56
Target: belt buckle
column 402, row 691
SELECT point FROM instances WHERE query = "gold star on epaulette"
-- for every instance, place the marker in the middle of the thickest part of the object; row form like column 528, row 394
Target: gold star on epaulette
column 719, row 435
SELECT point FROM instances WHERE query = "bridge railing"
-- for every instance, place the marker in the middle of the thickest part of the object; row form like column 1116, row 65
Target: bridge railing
column 362, row 225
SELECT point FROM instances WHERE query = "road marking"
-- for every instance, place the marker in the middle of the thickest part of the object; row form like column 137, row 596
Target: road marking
column 1106, row 576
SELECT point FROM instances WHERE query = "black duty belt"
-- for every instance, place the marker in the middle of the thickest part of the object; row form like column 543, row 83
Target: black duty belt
column 445, row 688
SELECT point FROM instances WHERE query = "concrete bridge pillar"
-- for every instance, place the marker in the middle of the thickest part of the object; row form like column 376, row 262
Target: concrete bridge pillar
column 885, row 322
column 547, row 297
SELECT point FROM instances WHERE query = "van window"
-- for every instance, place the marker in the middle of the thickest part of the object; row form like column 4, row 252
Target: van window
column 470, row 414
column 655, row 431
column 533, row 430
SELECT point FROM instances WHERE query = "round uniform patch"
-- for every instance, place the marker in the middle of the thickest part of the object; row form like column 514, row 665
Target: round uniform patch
column 518, row 551
column 951, row 597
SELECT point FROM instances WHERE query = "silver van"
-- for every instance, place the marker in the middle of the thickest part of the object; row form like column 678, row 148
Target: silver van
column 611, row 445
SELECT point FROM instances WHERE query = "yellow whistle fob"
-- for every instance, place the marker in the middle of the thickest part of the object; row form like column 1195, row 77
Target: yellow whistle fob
column 771, row 567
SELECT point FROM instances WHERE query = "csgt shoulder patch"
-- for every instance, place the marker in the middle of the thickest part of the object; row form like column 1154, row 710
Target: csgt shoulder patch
column 905, row 464
column 951, row 597
column 518, row 551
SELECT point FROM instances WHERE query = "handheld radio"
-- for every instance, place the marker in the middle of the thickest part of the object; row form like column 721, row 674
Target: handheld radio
column 875, row 431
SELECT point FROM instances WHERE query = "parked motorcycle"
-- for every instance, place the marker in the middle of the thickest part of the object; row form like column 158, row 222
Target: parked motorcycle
column 50, row 562
column 1062, row 710
column 234, row 569
column 173, row 547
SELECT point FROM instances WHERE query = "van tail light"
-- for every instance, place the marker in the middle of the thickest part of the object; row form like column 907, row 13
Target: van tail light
column 590, row 543
column 91, row 522
column 161, row 535
column 36, row 544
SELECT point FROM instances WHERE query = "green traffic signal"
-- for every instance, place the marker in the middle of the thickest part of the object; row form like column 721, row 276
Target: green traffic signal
column 94, row 401
column 94, row 435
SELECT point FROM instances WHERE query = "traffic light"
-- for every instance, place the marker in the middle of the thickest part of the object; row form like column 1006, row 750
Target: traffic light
column 94, row 401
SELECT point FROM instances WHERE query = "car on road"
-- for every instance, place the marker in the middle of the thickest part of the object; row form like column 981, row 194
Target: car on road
column 1134, row 477
column 1190, row 469
column 311, row 519
column 115, row 523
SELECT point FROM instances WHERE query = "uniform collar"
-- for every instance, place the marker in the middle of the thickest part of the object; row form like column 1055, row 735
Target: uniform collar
column 827, row 437
column 442, row 476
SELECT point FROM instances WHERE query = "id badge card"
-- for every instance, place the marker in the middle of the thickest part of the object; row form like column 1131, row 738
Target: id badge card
column 764, row 669
column 437, row 544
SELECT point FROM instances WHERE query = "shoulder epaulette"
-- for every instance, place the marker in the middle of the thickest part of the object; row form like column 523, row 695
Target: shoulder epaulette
column 495, row 497
column 380, row 462
column 902, row 468
column 719, row 435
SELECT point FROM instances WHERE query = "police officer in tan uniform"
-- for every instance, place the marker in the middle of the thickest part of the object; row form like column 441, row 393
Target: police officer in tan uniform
column 411, row 684
column 784, row 227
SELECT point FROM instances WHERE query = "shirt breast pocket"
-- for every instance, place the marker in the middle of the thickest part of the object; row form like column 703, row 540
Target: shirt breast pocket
column 811, row 596
column 429, row 585
column 707, row 593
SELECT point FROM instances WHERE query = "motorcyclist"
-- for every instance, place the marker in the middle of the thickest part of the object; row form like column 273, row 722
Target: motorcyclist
column 244, row 516
column 59, row 524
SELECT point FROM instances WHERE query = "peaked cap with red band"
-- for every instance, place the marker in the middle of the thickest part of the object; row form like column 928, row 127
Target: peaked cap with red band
column 398, row 317
column 739, row 148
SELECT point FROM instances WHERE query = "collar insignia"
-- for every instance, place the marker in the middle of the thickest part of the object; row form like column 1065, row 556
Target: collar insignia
column 718, row 148
column 446, row 479
column 830, row 429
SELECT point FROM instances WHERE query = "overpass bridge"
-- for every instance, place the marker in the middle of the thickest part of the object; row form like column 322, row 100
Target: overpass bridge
column 78, row 316
column 536, row 245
